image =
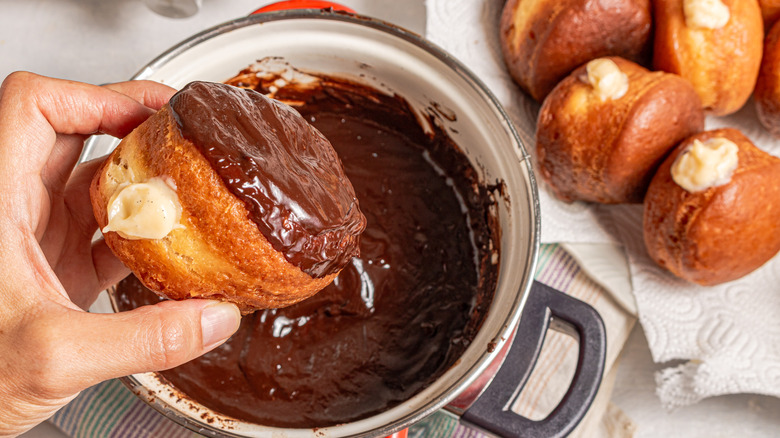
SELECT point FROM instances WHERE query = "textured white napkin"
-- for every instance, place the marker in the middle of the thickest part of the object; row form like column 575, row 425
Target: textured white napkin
column 468, row 29
column 729, row 334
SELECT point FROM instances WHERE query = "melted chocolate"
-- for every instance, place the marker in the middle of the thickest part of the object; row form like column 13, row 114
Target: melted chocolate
column 396, row 317
column 286, row 173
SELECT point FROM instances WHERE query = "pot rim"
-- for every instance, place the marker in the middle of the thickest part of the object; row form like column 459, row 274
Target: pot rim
column 503, row 335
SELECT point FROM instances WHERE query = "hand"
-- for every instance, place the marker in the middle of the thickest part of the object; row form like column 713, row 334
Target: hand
column 50, row 271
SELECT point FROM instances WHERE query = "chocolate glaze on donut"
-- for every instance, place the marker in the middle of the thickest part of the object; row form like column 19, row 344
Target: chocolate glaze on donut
column 284, row 171
column 394, row 319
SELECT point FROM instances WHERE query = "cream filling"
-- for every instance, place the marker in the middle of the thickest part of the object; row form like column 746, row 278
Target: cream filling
column 147, row 210
column 606, row 78
column 705, row 164
column 705, row 14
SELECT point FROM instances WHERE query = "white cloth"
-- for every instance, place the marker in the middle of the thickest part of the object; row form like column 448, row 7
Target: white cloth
column 468, row 29
column 729, row 334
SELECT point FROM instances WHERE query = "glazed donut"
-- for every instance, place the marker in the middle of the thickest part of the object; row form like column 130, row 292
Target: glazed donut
column 544, row 40
column 711, row 212
column 604, row 129
column 715, row 44
column 227, row 194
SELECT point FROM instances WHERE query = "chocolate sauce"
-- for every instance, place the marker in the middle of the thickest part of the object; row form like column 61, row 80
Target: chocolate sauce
column 397, row 316
column 284, row 171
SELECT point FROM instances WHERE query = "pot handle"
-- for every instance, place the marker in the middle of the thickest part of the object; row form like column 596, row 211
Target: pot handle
column 491, row 411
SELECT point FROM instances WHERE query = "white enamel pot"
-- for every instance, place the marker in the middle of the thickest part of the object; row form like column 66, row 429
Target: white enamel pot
column 393, row 59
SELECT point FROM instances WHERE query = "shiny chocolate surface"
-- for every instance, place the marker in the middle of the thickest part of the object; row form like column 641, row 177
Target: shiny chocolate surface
column 286, row 173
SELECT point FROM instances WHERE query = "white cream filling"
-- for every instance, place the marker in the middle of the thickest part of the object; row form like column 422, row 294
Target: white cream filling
column 705, row 14
column 606, row 78
column 147, row 210
column 705, row 164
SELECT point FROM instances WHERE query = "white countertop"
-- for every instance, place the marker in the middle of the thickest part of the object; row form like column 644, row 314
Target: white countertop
column 102, row 41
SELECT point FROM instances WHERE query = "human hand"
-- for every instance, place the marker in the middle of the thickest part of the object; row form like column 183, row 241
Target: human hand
column 50, row 271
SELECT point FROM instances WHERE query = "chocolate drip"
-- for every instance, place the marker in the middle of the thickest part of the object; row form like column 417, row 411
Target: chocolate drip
column 286, row 173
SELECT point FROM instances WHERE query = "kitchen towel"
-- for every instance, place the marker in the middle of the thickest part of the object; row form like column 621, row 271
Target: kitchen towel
column 110, row 410
column 728, row 336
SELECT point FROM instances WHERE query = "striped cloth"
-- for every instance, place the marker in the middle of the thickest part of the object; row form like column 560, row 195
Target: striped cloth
column 110, row 410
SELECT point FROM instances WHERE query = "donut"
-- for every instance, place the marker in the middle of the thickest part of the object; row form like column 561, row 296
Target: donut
column 770, row 11
column 226, row 194
column 711, row 213
column 715, row 44
column 766, row 96
column 605, row 128
column 544, row 40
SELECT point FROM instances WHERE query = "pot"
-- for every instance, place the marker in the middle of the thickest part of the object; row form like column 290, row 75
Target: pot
column 476, row 388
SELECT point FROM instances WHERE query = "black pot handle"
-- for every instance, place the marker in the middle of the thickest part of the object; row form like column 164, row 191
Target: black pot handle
column 491, row 411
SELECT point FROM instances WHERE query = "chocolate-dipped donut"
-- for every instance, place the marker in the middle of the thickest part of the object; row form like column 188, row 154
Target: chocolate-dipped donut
column 227, row 194
column 402, row 312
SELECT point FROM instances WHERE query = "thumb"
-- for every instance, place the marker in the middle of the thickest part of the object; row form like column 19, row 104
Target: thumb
column 149, row 338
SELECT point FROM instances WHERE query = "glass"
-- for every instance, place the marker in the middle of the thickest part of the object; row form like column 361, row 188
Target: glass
column 174, row 8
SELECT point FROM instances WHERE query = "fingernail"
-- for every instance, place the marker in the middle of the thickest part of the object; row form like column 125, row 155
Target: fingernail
column 218, row 322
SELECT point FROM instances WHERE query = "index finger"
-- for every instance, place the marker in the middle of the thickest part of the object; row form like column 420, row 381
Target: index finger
column 151, row 94
column 35, row 109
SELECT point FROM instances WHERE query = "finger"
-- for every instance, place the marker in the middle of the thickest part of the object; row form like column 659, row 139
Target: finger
column 77, row 199
column 62, row 158
column 150, row 338
column 67, row 241
column 152, row 94
column 109, row 270
column 35, row 109
column 84, row 287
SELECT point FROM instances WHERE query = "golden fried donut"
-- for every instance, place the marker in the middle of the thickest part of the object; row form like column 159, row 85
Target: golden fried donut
column 767, row 94
column 711, row 212
column 715, row 44
column 544, row 40
column 227, row 194
column 604, row 129
column 770, row 11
